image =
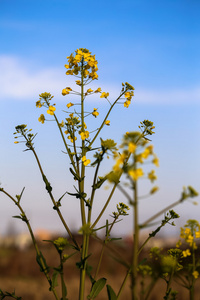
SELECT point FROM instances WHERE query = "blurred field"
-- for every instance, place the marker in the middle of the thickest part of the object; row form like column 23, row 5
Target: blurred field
column 20, row 272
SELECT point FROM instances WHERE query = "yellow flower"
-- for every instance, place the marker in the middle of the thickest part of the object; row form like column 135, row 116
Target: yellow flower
column 69, row 72
column 104, row 95
column 85, row 161
column 98, row 90
column 132, row 147
column 62, row 124
column 69, row 105
column 78, row 82
column 189, row 239
column 41, row 119
column 89, row 91
column 154, row 190
column 95, row 112
column 197, row 234
column 186, row 253
column 16, row 142
column 187, row 231
column 38, row 104
column 68, row 89
column 155, row 161
column 152, row 176
column 72, row 139
column 93, row 75
column 107, row 122
column 51, row 110
column 135, row 174
column 119, row 162
column 64, row 92
column 139, row 158
column 67, row 66
column 127, row 103
column 195, row 274
column 78, row 57
column 127, row 95
column 84, row 135
column 146, row 153
column 150, row 149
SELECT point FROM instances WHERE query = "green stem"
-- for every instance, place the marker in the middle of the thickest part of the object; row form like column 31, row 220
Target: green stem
column 105, row 206
column 124, row 283
column 53, row 200
column 103, row 247
column 106, row 117
column 63, row 287
column 135, row 242
column 64, row 141
column 93, row 193
column 193, row 269
column 82, row 205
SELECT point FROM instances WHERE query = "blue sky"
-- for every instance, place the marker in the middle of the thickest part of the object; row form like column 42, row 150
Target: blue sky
column 153, row 45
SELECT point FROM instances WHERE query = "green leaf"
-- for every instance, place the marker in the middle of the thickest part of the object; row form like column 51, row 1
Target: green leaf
column 48, row 185
column 96, row 288
column 40, row 258
column 115, row 239
column 88, row 272
column 17, row 217
column 111, row 293
column 64, row 290
column 19, row 196
column 76, row 177
column 54, row 280
column 99, row 183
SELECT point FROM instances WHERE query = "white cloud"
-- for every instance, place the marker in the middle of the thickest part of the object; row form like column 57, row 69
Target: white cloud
column 22, row 81
column 19, row 81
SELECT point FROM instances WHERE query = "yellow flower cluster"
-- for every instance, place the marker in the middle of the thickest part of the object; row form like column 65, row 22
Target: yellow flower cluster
column 85, row 161
column 186, row 253
column 104, row 95
column 41, row 118
column 119, row 162
column 152, row 176
column 195, row 274
column 145, row 155
column 189, row 233
column 82, row 62
column 72, row 139
column 51, row 110
column 130, row 147
column 128, row 96
column 66, row 91
column 135, row 174
column 44, row 100
column 84, row 135
column 95, row 112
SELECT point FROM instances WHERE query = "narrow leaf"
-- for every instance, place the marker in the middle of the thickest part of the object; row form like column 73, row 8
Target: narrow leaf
column 111, row 293
column 54, row 279
column 97, row 287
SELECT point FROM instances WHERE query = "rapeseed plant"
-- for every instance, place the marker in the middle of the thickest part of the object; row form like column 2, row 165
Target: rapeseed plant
column 130, row 158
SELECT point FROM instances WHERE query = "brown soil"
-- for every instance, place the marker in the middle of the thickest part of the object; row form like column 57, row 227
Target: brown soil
column 20, row 272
